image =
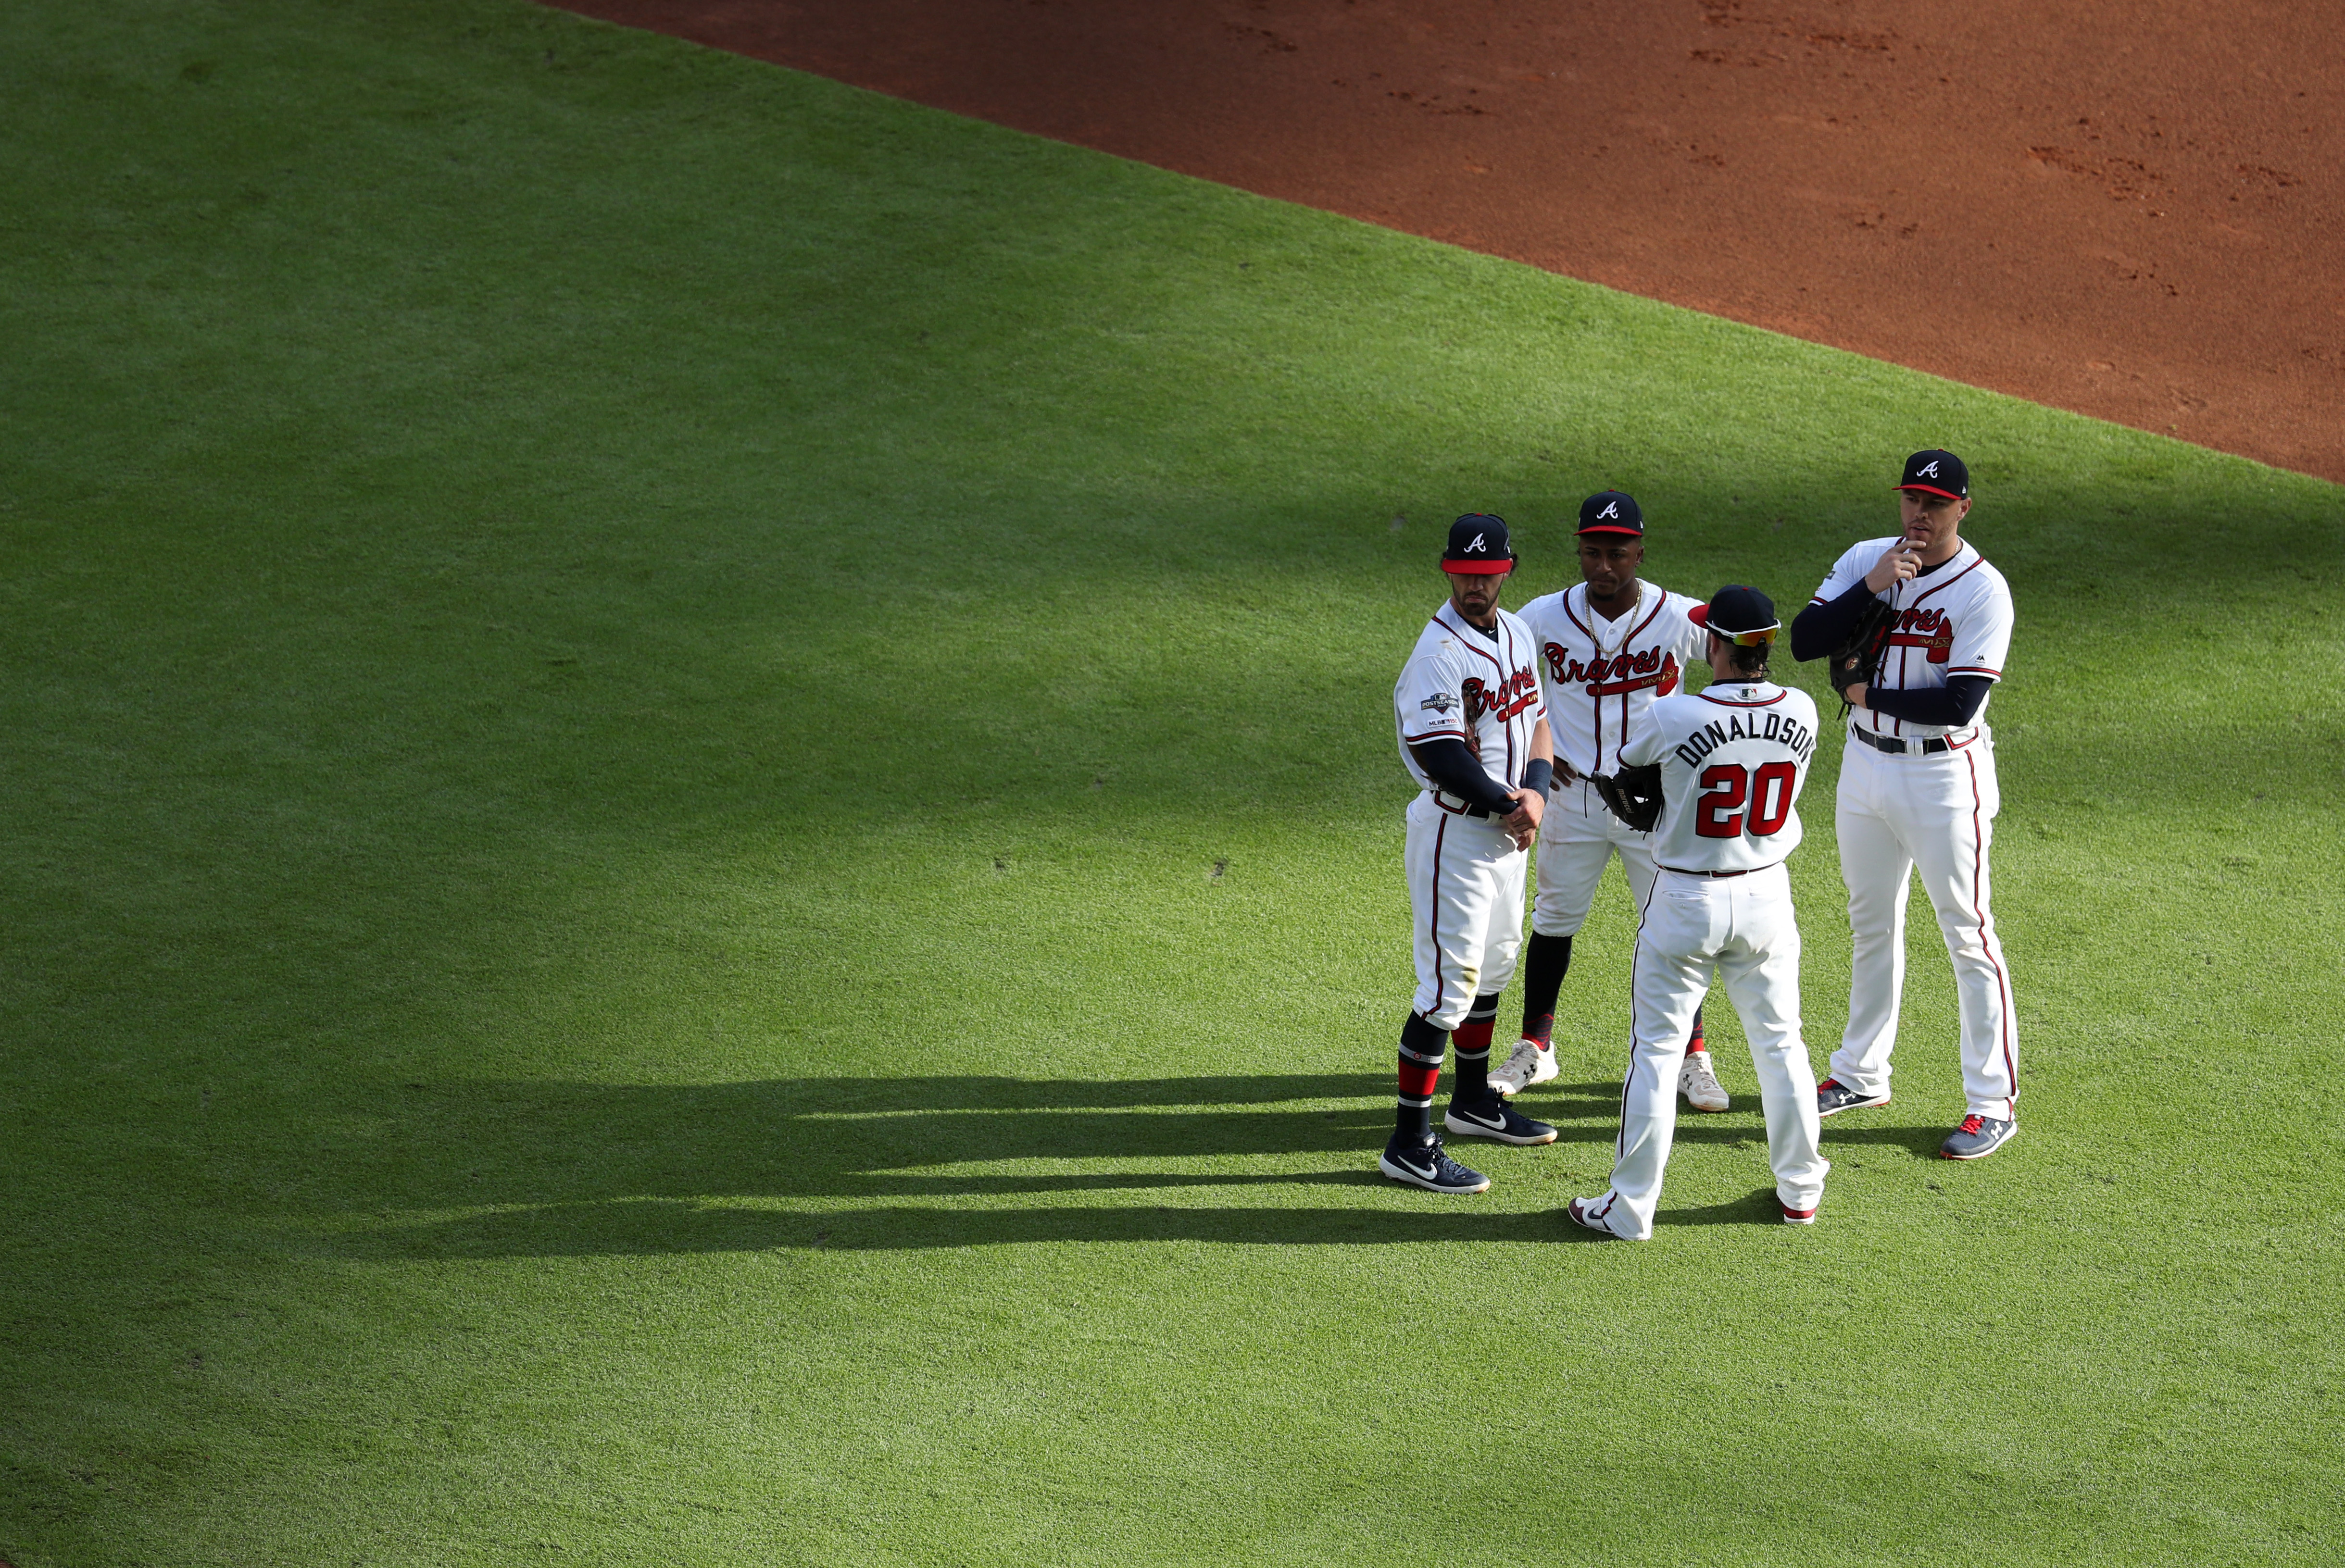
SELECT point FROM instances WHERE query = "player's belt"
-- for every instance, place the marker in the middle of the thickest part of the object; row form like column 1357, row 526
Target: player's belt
column 1457, row 807
column 1928, row 747
column 1746, row 870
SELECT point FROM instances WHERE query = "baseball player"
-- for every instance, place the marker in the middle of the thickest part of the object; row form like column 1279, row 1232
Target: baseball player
column 1608, row 647
column 1734, row 757
column 1473, row 734
column 1917, row 787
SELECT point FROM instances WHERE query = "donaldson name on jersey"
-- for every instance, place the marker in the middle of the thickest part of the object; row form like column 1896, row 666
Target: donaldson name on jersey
column 1734, row 758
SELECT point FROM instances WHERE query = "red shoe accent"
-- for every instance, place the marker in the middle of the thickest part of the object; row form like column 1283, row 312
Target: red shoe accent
column 1970, row 1124
column 1797, row 1216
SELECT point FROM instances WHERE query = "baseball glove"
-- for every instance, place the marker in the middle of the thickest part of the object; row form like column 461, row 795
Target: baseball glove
column 1633, row 794
column 1857, row 660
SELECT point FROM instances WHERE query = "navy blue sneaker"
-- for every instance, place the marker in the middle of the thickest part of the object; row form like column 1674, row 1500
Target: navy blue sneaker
column 1833, row 1096
column 1978, row 1136
column 1429, row 1165
column 1493, row 1117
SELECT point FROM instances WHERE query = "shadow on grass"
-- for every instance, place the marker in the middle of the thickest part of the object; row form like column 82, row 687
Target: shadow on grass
column 553, row 1170
column 665, row 1225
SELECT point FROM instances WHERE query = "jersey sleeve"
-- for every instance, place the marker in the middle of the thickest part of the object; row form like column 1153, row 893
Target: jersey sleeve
column 1431, row 698
column 1848, row 570
column 1983, row 635
column 1644, row 744
column 1693, row 641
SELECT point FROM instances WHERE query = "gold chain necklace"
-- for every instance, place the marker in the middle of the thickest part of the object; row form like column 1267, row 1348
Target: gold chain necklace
column 1628, row 622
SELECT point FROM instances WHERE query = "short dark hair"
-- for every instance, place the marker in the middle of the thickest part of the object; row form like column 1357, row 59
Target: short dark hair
column 1747, row 661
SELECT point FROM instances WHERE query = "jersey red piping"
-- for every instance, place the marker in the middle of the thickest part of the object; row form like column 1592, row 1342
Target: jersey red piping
column 1949, row 582
column 1468, row 643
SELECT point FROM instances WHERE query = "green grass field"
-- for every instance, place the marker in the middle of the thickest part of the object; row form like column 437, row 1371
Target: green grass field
column 703, row 867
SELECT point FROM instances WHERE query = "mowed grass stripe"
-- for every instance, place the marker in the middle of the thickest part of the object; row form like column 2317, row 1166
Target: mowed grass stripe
column 705, row 866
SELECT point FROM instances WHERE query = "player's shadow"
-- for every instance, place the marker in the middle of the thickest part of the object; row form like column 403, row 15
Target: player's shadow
column 1922, row 1142
column 1760, row 1206
column 531, row 1168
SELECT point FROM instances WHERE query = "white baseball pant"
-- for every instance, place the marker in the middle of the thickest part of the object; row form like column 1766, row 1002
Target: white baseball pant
column 1466, row 899
column 1937, row 812
column 1744, row 926
column 1577, row 836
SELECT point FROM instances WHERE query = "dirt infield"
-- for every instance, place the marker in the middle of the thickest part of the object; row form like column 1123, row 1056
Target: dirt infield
column 2132, row 210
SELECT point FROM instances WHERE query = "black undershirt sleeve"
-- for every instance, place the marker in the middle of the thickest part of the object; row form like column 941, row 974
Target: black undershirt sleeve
column 1821, row 628
column 1448, row 763
column 1951, row 704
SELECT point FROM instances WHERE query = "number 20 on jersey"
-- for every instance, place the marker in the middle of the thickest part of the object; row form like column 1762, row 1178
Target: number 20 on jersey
column 1735, row 800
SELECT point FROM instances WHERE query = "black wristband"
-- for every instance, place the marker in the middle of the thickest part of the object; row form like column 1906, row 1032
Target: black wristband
column 1536, row 772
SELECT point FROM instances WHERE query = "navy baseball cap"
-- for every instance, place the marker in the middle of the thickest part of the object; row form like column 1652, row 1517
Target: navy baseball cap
column 1939, row 473
column 1478, row 542
column 1612, row 511
column 1738, row 614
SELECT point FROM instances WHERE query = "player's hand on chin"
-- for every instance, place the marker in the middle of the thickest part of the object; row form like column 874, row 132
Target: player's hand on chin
column 1898, row 562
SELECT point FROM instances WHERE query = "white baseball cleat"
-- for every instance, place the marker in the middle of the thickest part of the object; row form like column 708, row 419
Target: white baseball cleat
column 1699, row 1084
column 1529, row 1063
column 1585, row 1211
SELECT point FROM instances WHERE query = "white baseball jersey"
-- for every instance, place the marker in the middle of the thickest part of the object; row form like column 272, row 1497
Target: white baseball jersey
column 1599, row 676
column 1734, row 757
column 1954, row 621
column 1462, row 683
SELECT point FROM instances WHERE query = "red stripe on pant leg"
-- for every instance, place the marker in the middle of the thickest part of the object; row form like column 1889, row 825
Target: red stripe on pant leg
column 1987, row 931
column 1433, row 920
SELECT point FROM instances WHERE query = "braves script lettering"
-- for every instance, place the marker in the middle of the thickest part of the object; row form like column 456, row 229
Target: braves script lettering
column 1611, row 677
column 1932, row 630
column 1504, row 700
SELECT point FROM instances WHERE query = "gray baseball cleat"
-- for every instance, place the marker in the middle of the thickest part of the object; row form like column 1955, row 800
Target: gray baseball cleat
column 1834, row 1097
column 1978, row 1136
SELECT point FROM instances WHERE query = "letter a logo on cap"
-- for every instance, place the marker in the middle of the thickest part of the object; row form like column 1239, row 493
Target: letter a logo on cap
column 1477, row 544
column 1927, row 471
column 1611, row 508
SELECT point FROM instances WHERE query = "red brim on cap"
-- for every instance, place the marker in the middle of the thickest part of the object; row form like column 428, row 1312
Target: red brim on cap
column 1615, row 527
column 1477, row 568
column 1934, row 489
column 1700, row 616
